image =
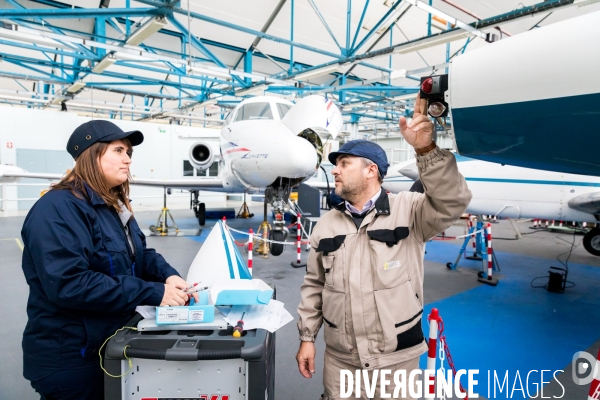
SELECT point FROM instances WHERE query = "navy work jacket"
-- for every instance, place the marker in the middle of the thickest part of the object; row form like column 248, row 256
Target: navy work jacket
column 84, row 282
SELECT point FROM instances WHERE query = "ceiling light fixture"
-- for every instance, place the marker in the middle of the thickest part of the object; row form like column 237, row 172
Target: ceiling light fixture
column 431, row 41
column 120, row 55
column 58, row 100
column 106, row 62
column 24, row 36
column 203, row 71
column 329, row 69
column 76, row 87
column 147, row 30
column 397, row 74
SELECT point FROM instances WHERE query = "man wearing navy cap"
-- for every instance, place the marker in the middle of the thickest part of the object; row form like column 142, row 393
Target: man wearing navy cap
column 364, row 278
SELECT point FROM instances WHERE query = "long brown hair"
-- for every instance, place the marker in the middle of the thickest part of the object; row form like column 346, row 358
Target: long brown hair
column 87, row 170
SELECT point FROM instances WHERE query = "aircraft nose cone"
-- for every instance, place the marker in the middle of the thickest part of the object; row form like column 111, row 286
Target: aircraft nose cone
column 301, row 158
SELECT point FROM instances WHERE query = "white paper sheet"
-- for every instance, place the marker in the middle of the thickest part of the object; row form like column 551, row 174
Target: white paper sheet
column 270, row 317
column 147, row 311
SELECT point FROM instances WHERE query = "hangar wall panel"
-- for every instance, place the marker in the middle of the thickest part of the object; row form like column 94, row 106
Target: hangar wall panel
column 161, row 155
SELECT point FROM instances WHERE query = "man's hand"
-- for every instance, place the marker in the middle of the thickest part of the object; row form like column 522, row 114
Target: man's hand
column 306, row 359
column 418, row 133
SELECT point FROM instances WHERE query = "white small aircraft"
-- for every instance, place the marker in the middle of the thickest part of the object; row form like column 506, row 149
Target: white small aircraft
column 267, row 144
column 515, row 192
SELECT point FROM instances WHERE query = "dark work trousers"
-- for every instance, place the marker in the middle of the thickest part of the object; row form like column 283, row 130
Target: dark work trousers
column 72, row 384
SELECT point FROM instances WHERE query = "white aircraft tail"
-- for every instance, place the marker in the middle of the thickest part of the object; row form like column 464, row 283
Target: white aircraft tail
column 314, row 112
column 218, row 259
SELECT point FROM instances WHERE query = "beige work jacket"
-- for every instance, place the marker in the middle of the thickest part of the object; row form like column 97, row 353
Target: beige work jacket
column 366, row 284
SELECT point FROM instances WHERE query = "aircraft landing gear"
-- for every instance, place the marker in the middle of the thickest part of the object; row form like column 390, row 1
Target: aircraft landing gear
column 262, row 246
column 278, row 232
column 198, row 207
column 591, row 241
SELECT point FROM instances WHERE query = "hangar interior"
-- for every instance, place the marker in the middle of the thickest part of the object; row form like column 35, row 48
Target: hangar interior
column 176, row 69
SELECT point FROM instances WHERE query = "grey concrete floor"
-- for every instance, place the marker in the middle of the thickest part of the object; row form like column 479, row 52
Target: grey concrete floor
column 440, row 283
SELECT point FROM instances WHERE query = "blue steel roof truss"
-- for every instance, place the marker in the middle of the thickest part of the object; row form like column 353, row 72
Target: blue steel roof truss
column 53, row 59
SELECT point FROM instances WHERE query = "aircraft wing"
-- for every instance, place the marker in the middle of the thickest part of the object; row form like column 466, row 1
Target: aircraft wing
column 31, row 175
column 183, row 183
column 320, row 185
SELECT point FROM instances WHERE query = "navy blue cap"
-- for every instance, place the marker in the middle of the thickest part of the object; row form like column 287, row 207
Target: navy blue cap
column 99, row 131
column 366, row 149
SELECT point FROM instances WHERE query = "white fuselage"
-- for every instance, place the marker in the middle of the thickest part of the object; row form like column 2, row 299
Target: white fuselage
column 515, row 192
column 531, row 100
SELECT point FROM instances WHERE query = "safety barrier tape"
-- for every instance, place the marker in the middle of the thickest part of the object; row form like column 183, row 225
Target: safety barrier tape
column 262, row 239
column 458, row 237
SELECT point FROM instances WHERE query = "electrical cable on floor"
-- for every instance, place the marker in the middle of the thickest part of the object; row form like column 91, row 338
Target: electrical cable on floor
column 528, row 233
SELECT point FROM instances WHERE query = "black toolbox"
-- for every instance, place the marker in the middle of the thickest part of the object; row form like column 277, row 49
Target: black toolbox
column 188, row 364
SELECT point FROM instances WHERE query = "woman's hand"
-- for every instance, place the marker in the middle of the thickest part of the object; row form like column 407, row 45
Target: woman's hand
column 179, row 283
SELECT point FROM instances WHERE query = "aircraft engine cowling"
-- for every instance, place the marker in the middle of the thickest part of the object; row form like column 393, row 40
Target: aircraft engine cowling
column 202, row 155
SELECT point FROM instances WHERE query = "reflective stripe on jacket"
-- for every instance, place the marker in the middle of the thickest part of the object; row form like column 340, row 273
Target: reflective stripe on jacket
column 366, row 284
column 84, row 282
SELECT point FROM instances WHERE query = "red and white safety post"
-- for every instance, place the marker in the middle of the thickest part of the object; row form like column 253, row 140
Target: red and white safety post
column 250, row 248
column 298, row 262
column 490, row 264
column 224, row 220
column 432, row 352
column 594, row 393
column 473, row 238
column 489, row 250
column 299, row 238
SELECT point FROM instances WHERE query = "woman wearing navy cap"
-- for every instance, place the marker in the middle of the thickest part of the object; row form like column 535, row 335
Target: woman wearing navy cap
column 87, row 266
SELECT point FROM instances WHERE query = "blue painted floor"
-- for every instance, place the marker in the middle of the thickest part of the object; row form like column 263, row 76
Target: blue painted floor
column 514, row 328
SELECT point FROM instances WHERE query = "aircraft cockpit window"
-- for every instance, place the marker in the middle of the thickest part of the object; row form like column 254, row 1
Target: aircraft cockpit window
column 253, row 111
column 283, row 109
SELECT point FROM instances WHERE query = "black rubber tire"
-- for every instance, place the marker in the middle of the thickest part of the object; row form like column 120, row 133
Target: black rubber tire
column 480, row 274
column 449, row 265
column 591, row 242
column 276, row 248
column 201, row 214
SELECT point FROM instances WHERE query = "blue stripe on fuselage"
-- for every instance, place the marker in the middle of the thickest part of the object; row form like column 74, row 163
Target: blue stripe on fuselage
column 533, row 182
column 550, row 134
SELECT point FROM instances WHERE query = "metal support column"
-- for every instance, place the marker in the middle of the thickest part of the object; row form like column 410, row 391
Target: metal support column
column 291, row 71
column 248, row 66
